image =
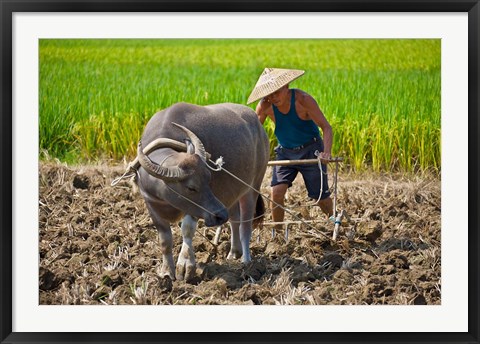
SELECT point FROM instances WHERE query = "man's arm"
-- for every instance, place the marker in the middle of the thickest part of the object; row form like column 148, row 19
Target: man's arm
column 262, row 110
column 317, row 116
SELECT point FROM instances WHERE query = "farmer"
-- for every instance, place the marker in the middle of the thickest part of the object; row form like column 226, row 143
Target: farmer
column 297, row 117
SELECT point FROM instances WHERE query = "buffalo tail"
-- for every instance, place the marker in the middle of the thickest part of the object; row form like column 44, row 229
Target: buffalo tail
column 259, row 212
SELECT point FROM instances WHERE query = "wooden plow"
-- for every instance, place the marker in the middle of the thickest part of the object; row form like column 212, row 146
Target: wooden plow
column 337, row 216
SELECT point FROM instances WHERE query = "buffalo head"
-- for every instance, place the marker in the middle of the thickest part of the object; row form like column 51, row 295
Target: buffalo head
column 186, row 179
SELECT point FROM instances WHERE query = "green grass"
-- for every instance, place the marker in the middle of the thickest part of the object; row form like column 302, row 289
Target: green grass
column 382, row 97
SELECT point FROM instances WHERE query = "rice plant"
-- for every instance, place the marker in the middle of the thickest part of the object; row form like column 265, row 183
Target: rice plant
column 382, row 97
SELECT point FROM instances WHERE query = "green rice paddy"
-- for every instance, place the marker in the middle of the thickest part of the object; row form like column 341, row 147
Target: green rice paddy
column 382, row 97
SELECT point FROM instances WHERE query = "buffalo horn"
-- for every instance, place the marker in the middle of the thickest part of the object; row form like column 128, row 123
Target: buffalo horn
column 199, row 148
column 170, row 173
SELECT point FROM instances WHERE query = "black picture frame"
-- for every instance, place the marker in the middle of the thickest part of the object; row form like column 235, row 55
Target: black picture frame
column 9, row 7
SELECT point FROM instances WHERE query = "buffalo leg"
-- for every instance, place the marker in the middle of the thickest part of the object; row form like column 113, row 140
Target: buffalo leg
column 236, row 246
column 247, row 210
column 186, row 267
column 166, row 243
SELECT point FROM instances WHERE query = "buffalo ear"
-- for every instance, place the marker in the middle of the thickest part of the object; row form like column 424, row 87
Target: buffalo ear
column 199, row 148
column 190, row 147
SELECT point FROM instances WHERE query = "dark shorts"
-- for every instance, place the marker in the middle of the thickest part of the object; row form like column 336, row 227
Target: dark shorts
column 310, row 173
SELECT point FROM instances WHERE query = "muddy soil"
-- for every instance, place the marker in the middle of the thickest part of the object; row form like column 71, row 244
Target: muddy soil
column 97, row 245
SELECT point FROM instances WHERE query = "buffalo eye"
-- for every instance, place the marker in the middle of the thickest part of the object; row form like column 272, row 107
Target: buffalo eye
column 191, row 188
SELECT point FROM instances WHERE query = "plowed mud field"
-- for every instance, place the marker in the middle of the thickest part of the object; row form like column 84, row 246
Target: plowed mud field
column 97, row 245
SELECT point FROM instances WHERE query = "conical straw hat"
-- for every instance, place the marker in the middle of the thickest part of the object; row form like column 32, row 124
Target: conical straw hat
column 271, row 80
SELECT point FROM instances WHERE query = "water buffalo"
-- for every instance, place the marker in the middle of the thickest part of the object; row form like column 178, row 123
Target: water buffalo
column 176, row 182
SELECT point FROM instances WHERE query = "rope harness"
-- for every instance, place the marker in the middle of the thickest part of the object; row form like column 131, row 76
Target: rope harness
column 132, row 168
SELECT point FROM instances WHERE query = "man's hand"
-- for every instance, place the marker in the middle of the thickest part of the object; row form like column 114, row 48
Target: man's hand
column 324, row 157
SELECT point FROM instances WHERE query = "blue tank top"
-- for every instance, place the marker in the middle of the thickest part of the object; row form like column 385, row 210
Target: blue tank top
column 292, row 131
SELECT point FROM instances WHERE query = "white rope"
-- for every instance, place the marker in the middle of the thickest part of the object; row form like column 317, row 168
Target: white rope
column 317, row 153
column 131, row 171
column 188, row 199
column 219, row 163
column 270, row 200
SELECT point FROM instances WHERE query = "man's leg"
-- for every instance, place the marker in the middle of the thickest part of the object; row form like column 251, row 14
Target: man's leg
column 278, row 197
column 317, row 180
